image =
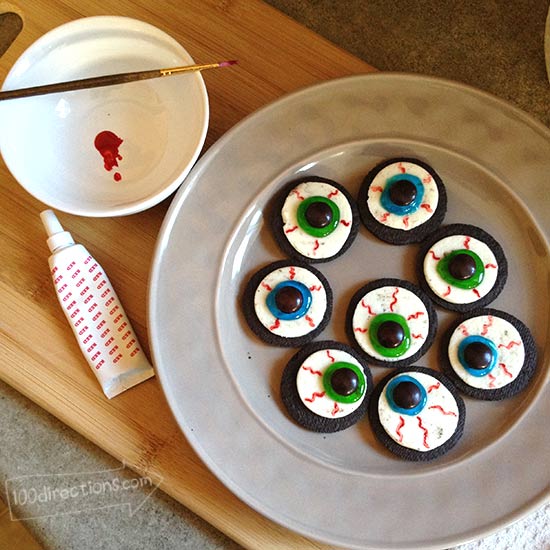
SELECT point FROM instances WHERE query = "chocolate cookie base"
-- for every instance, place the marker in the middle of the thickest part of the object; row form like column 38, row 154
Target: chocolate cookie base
column 259, row 329
column 296, row 408
column 476, row 233
column 497, row 394
column 404, row 452
column 432, row 316
column 400, row 236
column 277, row 224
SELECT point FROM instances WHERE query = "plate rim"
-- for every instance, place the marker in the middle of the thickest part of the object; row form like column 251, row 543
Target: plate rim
column 167, row 226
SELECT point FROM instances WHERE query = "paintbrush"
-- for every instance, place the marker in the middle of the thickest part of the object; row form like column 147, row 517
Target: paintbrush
column 107, row 80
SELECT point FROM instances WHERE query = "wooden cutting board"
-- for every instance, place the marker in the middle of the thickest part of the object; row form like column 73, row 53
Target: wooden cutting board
column 40, row 356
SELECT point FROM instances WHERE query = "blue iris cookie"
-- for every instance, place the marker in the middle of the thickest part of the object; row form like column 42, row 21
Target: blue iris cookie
column 489, row 354
column 402, row 200
column 287, row 303
column 417, row 413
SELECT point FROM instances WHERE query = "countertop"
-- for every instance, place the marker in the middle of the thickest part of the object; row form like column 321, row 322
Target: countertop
column 484, row 44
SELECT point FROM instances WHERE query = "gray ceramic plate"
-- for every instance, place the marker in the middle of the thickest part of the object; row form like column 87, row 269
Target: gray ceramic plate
column 222, row 382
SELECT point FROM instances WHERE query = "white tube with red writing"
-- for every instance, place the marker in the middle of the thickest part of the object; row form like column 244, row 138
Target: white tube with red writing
column 94, row 312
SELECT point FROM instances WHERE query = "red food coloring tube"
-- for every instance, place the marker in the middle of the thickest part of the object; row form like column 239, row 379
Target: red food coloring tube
column 89, row 301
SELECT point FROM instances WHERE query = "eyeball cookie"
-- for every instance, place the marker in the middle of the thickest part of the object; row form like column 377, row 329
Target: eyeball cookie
column 392, row 322
column 287, row 303
column 314, row 219
column 462, row 267
column 325, row 387
column 402, row 200
column 417, row 414
column 489, row 354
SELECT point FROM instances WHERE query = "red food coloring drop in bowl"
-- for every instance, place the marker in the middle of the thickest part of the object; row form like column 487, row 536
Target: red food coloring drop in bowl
column 107, row 143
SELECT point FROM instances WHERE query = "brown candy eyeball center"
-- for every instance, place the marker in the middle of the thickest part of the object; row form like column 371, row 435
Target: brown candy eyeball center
column 289, row 299
column 406, row 395
column 478, row 355
column 318, row 214
column 462, row 266
column 402, row 192
column 344, row 381
column 390, row 334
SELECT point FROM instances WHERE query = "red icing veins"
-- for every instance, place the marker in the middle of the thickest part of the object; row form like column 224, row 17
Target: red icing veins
column 367, row 307
column 314, row 396
column 107, row 143
column 506, row 371
column 415, row 315
column 317, row 372
column 510, row 344
column 394, row 296
column 425, row 432
column 487, row 325
column 310, row 321
column 398, row 429
column 442, row 410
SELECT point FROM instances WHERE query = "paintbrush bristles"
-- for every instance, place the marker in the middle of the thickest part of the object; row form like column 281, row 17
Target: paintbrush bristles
column 107, row 80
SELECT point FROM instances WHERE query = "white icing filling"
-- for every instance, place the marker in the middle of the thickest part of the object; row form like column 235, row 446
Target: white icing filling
column 391, row 299
column 304, row 243
column 427, row 207
column 309, row 382
column 296, row 327
column 429, row 429
column 453, row 294
column 510, row 348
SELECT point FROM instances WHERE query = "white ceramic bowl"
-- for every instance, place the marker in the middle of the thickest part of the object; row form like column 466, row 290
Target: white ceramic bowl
column 49, row 142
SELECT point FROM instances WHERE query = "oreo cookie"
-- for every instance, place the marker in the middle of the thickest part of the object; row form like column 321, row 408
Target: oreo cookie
column 402, row 200
column 314, row 219
column 417, row 414
column 461, row 267
column 287, row 303
column 391, row 322
column 489, row 354
column 325, row 387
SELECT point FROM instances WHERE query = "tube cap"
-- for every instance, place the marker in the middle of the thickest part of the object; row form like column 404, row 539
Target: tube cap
column 57, row 236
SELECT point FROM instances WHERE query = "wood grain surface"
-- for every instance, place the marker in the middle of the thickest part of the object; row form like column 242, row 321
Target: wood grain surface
column 40, row 356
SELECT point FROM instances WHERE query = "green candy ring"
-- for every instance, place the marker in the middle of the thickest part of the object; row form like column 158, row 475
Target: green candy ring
column 473, row 282
column 318, row 231
column 353, row 397
column 373, row 335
